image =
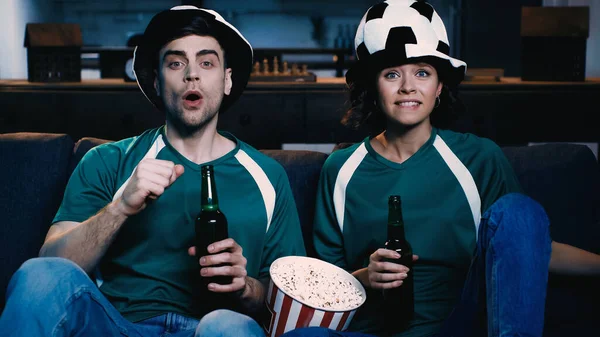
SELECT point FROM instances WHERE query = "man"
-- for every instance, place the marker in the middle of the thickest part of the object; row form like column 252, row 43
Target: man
column 129, row 208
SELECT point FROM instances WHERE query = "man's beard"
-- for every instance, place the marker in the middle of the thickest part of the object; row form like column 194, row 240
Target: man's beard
column 187, row 129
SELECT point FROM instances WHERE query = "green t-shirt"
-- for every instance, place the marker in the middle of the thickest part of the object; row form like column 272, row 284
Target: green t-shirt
column 445, row 187
column 146, row 271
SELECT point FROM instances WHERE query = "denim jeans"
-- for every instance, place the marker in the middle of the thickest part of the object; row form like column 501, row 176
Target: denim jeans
column 505, row 289
column 55, row 297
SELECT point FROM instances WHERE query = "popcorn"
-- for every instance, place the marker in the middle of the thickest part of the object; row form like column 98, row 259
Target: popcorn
column 317, row 286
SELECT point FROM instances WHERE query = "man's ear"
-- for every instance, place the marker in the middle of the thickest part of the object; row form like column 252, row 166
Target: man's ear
column 156, row 84
column 228, row 81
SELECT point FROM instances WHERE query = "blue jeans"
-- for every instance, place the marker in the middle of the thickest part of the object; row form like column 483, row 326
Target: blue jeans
column 55, row 297
column 507, row 281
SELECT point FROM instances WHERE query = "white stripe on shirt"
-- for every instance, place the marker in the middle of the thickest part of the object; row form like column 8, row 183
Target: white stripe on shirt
column 464, row 177
column 264, row 184
column 342, row 180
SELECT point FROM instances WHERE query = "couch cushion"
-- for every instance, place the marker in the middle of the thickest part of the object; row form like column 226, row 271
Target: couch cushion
column 303, row 169
column 34, row 174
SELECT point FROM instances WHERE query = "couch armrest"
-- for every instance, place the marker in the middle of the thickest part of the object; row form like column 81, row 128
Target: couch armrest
column 34, row 173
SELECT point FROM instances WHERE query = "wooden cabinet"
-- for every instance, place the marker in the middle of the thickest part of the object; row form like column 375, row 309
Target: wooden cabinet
column 267, row 115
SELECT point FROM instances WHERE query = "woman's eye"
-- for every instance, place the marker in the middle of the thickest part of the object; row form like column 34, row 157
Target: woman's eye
column 391, row 75
column 422, row 73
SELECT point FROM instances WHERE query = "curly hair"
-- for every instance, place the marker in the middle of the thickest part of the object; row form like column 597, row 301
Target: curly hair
column 364, row 111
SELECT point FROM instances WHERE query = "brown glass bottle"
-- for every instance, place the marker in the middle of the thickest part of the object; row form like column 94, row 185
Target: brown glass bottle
column 398, row 302
column 211, row 223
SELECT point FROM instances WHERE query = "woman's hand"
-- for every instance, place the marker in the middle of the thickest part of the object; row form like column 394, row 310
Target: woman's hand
column 383, row 274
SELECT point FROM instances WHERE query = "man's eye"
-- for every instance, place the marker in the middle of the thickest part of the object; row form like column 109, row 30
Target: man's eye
column 175, row 64
column 206, row 63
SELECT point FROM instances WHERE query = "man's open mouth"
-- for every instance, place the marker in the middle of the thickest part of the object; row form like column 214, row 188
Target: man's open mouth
column 192, row 97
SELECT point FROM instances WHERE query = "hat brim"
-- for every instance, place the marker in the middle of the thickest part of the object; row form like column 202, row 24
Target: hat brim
column 450, row 70
column 165, row 27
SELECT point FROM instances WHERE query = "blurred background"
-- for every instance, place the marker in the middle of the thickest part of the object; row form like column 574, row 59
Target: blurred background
column 483, row 33
column 525, row 68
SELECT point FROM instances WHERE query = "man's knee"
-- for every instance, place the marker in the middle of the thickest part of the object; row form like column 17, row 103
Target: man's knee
column 37, row 277
column 237, row 325
column 308, row 332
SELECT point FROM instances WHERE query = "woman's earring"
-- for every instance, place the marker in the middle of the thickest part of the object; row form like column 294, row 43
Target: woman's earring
column 438, row 100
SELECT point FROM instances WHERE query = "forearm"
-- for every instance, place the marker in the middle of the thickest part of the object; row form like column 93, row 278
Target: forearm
column 87, row 242
column 569, row 260
column 252, row 299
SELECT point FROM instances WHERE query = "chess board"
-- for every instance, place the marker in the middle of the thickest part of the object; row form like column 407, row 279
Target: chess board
column 308, row 77
column 274, row 73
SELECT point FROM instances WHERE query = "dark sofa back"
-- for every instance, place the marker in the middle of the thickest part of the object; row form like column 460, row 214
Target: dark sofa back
column 565, row 179
column 303, row 169
column 34, row 171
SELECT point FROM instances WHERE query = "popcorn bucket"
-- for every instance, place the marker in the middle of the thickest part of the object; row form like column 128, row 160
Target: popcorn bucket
column 307, row 292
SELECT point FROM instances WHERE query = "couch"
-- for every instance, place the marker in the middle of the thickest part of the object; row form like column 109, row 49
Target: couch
column 564, row 178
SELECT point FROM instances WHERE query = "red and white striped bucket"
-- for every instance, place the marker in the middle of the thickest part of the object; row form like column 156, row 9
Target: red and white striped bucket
column 288, row 313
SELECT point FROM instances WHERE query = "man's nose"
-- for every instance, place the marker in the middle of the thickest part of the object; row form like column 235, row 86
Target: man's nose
column 192, row 74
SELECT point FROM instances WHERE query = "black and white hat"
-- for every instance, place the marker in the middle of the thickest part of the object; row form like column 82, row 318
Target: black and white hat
column 395, row 32
column 167, row 26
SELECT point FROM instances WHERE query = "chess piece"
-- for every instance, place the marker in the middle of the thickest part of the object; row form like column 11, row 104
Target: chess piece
column 285, row 68
column 294, row 69
column 265, row 66
column 256, row 69
column 275, row 66
column 304, row 70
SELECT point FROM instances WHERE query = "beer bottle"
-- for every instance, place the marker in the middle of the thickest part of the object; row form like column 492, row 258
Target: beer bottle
column 211, row 223
column 399, row 301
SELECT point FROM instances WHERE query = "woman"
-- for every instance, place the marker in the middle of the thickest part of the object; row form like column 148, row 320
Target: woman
column 483, row 247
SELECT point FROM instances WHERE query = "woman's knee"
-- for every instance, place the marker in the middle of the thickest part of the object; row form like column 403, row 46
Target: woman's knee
column 518, row 200
column 519, row 208
column 518, row 217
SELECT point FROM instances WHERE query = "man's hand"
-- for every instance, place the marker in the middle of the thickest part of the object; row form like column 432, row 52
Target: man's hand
column 149, row 181
column 228, row 254
column 386, row 275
